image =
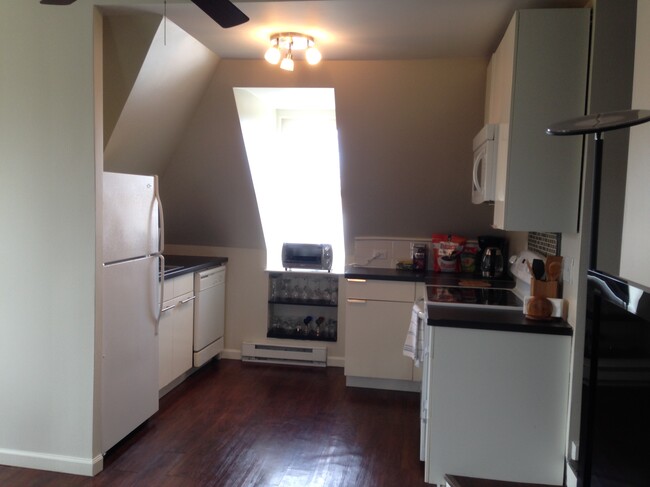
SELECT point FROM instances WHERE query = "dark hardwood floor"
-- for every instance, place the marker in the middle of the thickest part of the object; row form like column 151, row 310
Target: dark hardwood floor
column 237, row 424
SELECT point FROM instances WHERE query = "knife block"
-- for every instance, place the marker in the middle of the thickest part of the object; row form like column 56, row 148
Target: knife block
column 544, row 289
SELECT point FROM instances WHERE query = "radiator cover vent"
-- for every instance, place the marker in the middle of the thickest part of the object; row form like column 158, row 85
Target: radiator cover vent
column 284, row 354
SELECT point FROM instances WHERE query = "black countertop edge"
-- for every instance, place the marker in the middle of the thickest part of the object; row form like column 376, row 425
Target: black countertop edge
column 496, row 320
column 191, row 263
column 428, row 277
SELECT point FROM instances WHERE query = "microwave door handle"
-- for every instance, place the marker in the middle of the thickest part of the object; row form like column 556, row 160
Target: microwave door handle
column 477, row 163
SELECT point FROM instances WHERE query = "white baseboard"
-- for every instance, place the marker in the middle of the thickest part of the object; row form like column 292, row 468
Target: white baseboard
column 231, row 354
column 385, row 384
column 234, row 354
column 335, row 361
column 53, row 463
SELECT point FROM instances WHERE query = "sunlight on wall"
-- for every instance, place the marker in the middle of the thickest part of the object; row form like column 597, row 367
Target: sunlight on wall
column 293, row 155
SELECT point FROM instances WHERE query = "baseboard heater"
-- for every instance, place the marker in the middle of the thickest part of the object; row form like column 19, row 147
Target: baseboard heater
column 284, row 354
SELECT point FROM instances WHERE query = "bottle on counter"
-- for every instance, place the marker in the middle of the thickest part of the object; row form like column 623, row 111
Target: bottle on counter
column 469, row 256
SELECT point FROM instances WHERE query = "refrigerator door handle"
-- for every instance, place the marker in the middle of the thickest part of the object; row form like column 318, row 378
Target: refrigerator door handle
column 162, row 289
column 161, row 217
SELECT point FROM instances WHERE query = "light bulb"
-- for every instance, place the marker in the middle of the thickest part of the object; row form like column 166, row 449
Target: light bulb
column 313, row 55
column 287, row 63
column 273, row 55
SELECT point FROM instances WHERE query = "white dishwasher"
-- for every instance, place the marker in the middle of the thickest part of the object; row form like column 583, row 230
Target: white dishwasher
column 209, row 313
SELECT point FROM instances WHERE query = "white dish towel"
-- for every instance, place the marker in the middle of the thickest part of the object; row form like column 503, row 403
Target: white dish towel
column 413, row 342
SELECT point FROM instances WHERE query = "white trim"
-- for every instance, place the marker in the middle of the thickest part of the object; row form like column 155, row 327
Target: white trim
column 53, row 463
column 234, row 354
column 385, row 384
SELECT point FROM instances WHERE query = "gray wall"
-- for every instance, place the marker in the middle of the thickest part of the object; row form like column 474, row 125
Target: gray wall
column 405, row 129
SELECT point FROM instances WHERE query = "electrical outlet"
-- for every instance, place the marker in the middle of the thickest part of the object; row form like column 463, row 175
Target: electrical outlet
column 380, row 254
column 567, row 270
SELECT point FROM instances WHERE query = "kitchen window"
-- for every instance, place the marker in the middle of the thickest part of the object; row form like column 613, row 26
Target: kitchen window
column 291, row 143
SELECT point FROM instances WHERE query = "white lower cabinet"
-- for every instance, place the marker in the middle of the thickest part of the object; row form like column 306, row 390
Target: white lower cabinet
column 175, row 331
column 497, row 405
column 376, row 323
column 375, row 338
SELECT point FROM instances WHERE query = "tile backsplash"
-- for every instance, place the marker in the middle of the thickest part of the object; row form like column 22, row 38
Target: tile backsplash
column 544, row 243
column 385, row 252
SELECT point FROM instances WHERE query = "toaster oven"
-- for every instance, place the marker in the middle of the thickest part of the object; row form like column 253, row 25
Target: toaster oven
column 307, row 256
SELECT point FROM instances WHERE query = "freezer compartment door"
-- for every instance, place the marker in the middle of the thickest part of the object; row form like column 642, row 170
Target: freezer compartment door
column 129, row 347
column 130, row 213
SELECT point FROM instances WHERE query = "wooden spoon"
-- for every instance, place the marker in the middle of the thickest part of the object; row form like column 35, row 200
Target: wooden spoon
column 553, row 268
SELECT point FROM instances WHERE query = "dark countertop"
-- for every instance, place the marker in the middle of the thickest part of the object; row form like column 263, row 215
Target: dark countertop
column 185, row 264
column 494, row 319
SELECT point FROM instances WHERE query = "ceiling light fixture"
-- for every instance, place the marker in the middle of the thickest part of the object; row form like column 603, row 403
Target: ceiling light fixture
column 284, row 44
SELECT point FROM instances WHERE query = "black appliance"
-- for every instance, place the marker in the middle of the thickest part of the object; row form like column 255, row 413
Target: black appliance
column 461, row 296
column 615, row 415
column 488, row 241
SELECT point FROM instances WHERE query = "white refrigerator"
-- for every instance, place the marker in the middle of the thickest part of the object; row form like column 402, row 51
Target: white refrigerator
column 132, row 295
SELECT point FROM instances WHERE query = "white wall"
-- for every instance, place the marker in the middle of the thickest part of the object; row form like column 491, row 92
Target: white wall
column 50, row 165
column 635, row 258
column 47, row 255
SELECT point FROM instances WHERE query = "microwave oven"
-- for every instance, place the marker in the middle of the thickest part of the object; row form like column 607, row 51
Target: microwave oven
column 485, row 164
column 307, row 256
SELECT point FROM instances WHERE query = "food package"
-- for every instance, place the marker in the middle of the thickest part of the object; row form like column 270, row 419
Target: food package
column 446, row 252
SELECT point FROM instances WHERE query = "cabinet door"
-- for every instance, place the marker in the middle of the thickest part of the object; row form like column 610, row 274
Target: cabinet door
column 497, row 405
column 183, row 335
column 538, row 177
column 165, row 340
column 175, row 335
column 374, row 339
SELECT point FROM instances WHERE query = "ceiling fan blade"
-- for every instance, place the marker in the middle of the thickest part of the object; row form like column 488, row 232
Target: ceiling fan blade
column 57, row 2
column 223, row 12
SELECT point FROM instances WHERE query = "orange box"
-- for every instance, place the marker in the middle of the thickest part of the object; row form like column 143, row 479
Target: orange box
column 544, row 289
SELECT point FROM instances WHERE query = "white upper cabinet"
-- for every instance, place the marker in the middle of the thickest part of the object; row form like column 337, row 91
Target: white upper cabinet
column 537, row 76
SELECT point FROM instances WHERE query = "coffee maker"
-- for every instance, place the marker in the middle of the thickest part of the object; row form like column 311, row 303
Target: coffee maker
column 492, row 255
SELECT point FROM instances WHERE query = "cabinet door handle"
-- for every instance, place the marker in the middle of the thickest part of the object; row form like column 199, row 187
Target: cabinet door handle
column 167, row 308
column 356, row 280
column 356, row 301
column 192, row 298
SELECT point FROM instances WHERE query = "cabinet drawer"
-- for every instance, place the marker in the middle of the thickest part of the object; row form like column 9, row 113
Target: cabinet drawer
column 381, row 290
column 178, row 285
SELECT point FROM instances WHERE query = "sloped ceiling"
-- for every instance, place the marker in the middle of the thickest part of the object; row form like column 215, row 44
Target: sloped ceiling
column 127, row 39
column 405, row 133
column 164, row 95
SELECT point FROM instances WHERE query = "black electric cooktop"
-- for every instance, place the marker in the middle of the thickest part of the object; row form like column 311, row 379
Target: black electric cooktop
column 473, row 297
